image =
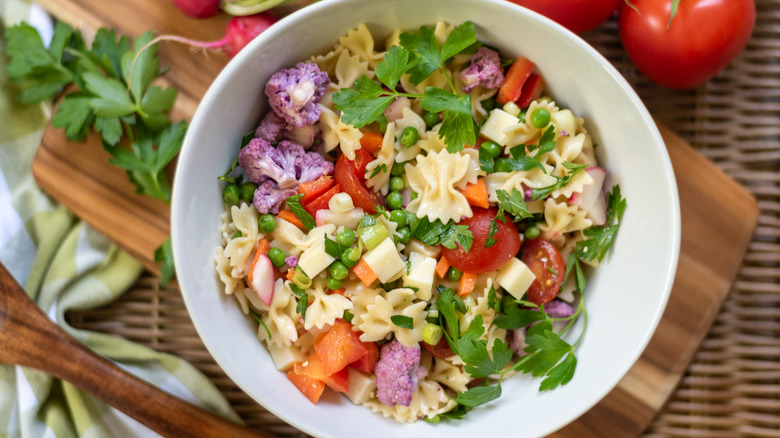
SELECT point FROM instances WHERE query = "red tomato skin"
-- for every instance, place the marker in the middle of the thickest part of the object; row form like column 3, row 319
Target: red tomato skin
column 480, row 259
column 540, row 255
column 576, row 15
column 350, row 175
column 703, row 38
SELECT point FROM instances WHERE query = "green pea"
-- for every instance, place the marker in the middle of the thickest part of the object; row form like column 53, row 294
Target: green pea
column 276, row 256
column 345, row 237
column 430, row 119
column 338, row 270
column 399, row 217
column 266, row 223
column 231, row 195
column 454, row 274
column 491, row 148
column 488, row 104
column 532, row 232
column 396, row 184
column 394, row 200
column 404, row 235
column 410, row 136
column 350, row 257
column 397, row 170
column 382, row 123
column 502, row 165
column 236, row 235
column 334, row 284
column 248, row 191
column 540, row 118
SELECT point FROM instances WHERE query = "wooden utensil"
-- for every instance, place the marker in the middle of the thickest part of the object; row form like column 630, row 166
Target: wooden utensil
column 29, row 338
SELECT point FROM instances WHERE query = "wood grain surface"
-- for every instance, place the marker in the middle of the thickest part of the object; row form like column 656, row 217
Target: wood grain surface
column 718, row 215
column 29, row 338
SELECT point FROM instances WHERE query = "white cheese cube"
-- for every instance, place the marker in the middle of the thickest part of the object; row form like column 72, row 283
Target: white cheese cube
column 564, row 121
column 515, row 277
column 420, row 274
column 285, row 357
column 314, row 260
column 384, row 260
column 361, row 387
column 496, row 123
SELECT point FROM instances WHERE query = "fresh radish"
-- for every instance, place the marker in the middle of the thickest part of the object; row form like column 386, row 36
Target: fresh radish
column 263, row 278
column 239, row 32
column 198, row 8
column 349, row 219
column 592, row 198
column 396, row 109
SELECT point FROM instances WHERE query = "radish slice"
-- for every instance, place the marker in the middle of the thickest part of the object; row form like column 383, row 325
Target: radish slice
column 263, row 279
column 396, row 109
column 592, row 198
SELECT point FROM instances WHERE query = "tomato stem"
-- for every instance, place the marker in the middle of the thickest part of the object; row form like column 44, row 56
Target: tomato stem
column 675, row 3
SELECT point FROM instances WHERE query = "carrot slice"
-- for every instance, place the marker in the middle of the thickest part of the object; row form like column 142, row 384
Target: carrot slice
column 313, row 189
column 467, row 282
column 514, row 79
column 442, row 267
column 476, row 194
column 364, row 272
column 338, row 291
column 290, row 274
column 371, row 141
column 291, row 218
column 262, row 248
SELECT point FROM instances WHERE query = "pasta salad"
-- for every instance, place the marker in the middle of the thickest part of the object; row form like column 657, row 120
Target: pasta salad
column 411, row 223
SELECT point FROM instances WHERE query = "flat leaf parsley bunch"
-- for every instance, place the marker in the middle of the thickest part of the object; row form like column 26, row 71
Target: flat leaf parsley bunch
column 108, row 89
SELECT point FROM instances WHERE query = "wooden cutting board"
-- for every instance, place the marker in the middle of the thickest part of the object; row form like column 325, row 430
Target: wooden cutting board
column 718, row 215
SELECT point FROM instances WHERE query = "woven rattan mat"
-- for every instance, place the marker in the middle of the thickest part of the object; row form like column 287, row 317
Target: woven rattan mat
column 732, row 387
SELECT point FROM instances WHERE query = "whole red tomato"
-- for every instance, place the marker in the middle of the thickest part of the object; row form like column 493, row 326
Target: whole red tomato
column 576, row 15
column 702, row 39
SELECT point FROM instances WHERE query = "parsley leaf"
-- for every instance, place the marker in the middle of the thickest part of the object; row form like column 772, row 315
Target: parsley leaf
column 493, row 301
column 546, row 349
column 394, row 65
column 75, row 115
column 572, row 168
column 599, row 239
column 333, row 248
column 164, row 255
column 516, row 318
column 437, row 233
column 294, row 202
column 457, row 234
column 478, row 395
column 403, row 321
column 457, row 125
column 260, row 320
column 303, row 299
column 375, row 171
column 363, row 104
column 513, row 204
column 492, row 230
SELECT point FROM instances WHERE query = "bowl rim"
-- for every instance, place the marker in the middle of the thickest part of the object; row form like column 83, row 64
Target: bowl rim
column 288, row 24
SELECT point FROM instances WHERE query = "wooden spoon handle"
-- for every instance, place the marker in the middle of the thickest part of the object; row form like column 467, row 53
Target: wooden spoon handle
column 29, row 338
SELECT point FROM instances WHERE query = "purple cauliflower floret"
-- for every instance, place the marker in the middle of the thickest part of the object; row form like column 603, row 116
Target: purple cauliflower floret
column 555, row 309
column 484, row 71
column 271, row 128
column 268, row 198
column 397, row 373
column 293, row 93
column 278, row 170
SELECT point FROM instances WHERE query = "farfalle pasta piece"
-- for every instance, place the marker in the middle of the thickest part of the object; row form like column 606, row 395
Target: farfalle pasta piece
column 385, row 157
column 282, row 319
column 374, row 318
column 288, row 238
column 445, row 372
column 239, row 250
column 428, row 401
column 435, row 178
column 532, row 179
column 347, row 69
column 524, row 132
column 224, row 271
column 360, row 43
column 337, row 133
column 560, row 218
column 324, row 308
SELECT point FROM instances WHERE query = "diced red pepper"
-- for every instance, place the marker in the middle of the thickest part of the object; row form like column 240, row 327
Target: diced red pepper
column 313, row 189
column 514, row 79
column 339, row 347
column 321, row 202
column 368, row 361
column 532, row 90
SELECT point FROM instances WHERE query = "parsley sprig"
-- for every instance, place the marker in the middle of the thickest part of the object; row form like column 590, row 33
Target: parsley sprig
column 419, row 56
column 108, row 88
column 434, row 233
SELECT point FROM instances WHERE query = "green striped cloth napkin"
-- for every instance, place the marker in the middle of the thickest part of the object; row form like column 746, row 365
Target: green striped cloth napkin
column 65, row 265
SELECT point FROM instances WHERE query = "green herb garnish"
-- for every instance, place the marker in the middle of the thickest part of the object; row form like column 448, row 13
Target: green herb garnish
column 294, row 202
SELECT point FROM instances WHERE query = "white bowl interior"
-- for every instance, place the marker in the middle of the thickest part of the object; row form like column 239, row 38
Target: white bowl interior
column 625, row 297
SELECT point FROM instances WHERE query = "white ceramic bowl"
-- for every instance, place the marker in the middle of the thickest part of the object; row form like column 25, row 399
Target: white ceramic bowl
column 625, row 297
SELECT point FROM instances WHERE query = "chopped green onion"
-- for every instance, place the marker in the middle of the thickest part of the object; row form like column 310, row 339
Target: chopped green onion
column 300, row 279
column 432, row 333
column 373, row 235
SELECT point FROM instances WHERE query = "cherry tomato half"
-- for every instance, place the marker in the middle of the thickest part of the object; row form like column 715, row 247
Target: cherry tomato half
column 351, row 176
column 441, row 350
column 547, row 264
column 701, row 40
column 481, row 259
